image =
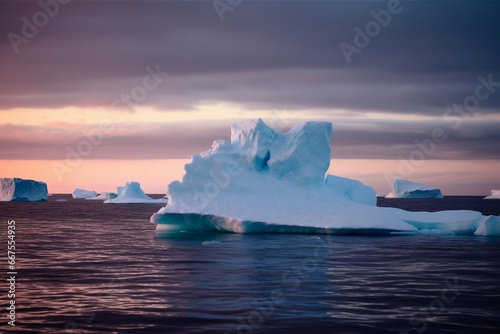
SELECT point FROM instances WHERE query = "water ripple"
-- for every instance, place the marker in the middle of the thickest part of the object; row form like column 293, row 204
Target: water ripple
column 85, row 267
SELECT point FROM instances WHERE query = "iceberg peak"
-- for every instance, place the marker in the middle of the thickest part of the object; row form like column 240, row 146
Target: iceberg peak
column 132, row 193
column 302, row 154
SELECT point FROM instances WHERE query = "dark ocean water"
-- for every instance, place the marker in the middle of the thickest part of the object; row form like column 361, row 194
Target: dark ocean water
column 86, row 267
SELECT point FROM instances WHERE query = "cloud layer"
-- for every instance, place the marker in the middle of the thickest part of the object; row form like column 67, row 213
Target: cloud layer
column 351, row 139
column 264, row 55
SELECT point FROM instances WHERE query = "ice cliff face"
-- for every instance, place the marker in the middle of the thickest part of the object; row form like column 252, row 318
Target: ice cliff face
column 21, row 190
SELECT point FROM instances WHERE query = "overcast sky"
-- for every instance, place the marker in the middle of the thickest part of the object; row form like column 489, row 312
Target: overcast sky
column 279, row 60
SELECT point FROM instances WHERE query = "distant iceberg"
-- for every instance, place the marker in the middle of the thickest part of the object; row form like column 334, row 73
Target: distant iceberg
column 495, row 194
column 268, row 181
column 104, row 196
column 21, row 190
column 408, row 189
column 82, row 193
column 132, row 193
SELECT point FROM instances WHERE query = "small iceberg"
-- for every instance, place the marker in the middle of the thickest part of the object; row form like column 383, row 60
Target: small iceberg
column 104, row 196
column 265, row 181
column 82, row 193
column 495, row 194
column 132, row 193
column 408, row 189
column 22, row 190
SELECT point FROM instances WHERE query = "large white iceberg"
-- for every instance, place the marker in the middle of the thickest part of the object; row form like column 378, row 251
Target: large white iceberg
column 495, row 194
column 408, row 189
column 82, row 193
column 132, row 193
column 21, row 190
column 268, row 181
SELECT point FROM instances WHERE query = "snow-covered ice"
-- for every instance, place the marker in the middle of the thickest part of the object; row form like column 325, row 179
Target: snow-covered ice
column 21, row 190
column 352, row 189
column 132, row 193
column 268, row 181
column 495, row 194
column 408, row 189
column 82, row 193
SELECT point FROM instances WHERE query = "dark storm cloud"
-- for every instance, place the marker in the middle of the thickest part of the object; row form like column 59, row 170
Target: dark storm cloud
column 351, row 139
column 265, row 54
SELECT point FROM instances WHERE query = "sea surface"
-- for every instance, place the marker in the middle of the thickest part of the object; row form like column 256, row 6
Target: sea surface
column 88, row 267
